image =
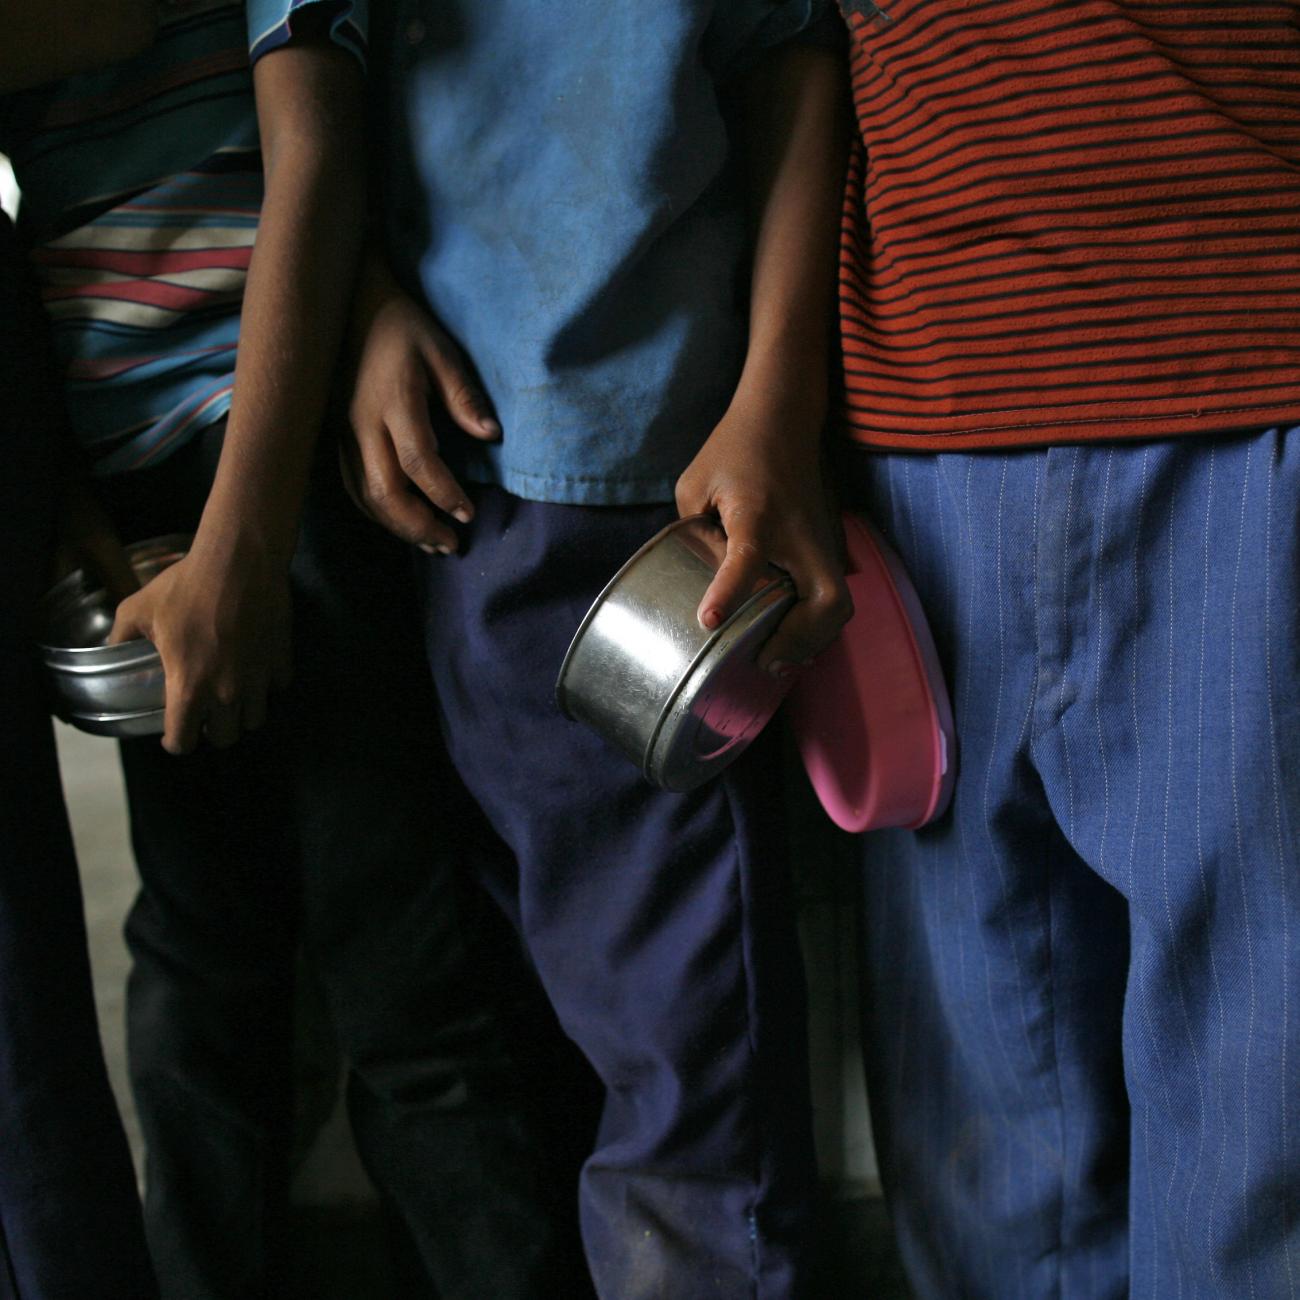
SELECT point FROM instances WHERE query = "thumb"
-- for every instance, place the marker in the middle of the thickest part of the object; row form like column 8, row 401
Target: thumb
column 131, row 622
column 461, row 393
column 740, row 571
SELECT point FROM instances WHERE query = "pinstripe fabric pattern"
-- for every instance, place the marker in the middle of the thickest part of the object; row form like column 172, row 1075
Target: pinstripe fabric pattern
column 1082, row 984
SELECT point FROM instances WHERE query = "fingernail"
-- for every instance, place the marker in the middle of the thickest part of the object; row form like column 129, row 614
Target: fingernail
column 426, row 548
column 489, row 425
column 463, row 513
column 710, row 619
column 444, row 550
column 782, row 668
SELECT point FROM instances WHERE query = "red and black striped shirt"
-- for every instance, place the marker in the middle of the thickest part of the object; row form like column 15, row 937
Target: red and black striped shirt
column 1071, row 219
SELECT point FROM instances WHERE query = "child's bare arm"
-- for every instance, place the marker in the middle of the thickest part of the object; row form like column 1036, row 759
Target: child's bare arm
column 760, row 470
column 40, row 41
column 220, row 618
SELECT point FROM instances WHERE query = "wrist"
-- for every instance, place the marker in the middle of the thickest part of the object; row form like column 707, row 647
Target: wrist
column 256, row 546
column 790, row 401
column 377, row 291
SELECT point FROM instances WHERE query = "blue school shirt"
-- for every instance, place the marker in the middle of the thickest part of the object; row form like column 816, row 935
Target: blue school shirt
column 142, row 185
column 561, row 186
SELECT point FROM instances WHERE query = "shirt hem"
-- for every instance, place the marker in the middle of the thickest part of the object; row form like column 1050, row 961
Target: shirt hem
column 1226, row 420
column 582, row 490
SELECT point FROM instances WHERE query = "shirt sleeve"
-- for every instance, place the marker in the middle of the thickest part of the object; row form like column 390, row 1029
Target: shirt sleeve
column 742, row 30
column 271, row 24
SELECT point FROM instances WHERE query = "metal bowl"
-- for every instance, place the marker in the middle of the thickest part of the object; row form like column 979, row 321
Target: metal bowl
column 680, row 700
column 107, row 690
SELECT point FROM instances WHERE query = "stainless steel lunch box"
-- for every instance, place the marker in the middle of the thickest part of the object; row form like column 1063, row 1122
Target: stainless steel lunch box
column 680, row 700
column 107, row 690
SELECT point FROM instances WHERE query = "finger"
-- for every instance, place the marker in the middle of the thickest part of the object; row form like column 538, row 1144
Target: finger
column 741, row 569
column 130, row 622
column 810, row 626
column 105, row 555
column 386, row 498
column 352, row 474
column 416, row 447
column 182, row 716
column 462, row 395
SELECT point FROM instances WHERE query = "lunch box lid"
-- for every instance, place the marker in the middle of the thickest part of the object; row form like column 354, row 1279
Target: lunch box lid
column 871, row 715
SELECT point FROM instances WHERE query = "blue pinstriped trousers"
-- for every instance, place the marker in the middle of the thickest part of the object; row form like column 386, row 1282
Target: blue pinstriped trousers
column 1083, row 983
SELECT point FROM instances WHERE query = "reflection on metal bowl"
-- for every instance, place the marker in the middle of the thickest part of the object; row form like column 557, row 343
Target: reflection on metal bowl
column 680, row 700
column 105, row 690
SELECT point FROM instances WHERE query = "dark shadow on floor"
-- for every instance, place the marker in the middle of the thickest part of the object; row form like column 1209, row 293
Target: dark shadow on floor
column 342, row 1255
column 858, row 1258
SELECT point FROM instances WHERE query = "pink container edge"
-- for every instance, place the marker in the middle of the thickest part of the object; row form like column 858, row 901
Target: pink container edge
column 883, row 598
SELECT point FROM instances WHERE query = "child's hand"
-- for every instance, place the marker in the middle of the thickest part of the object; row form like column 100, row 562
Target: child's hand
column 405, row 362
column 756, row 472
column 221, row 626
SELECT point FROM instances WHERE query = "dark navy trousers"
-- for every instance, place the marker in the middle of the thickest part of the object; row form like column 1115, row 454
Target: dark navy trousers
column 1083, row 983
column 69, row 1216
column 661, row 925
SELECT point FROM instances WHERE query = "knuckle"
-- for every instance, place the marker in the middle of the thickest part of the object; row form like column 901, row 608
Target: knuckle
column 409, row 393
column 439, row 489
column 376, row 491
column 462, row 393
column 413, row 460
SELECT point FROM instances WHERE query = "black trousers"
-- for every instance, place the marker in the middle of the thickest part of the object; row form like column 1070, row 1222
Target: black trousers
column 313, row 832
column 69, row 1218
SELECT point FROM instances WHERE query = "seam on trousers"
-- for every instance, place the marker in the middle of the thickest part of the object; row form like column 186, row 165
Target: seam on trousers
column 1040, row 482
column 1035, row 557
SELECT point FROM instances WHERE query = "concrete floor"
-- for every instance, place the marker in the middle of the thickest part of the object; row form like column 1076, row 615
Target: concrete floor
column 338, row 1237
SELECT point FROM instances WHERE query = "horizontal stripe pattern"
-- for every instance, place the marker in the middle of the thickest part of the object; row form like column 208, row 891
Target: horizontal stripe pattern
column 1070, row 219
column 142, row 187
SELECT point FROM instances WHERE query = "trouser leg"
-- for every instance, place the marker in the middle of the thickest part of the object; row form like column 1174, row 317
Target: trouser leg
column 68, row 1201
column 441, row 1111
column 209, row 1012
column 1174, row 766
column 69, row 1216
column 212, row 936
column 1117, row 620
column 994, row 957
column 660, row 925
